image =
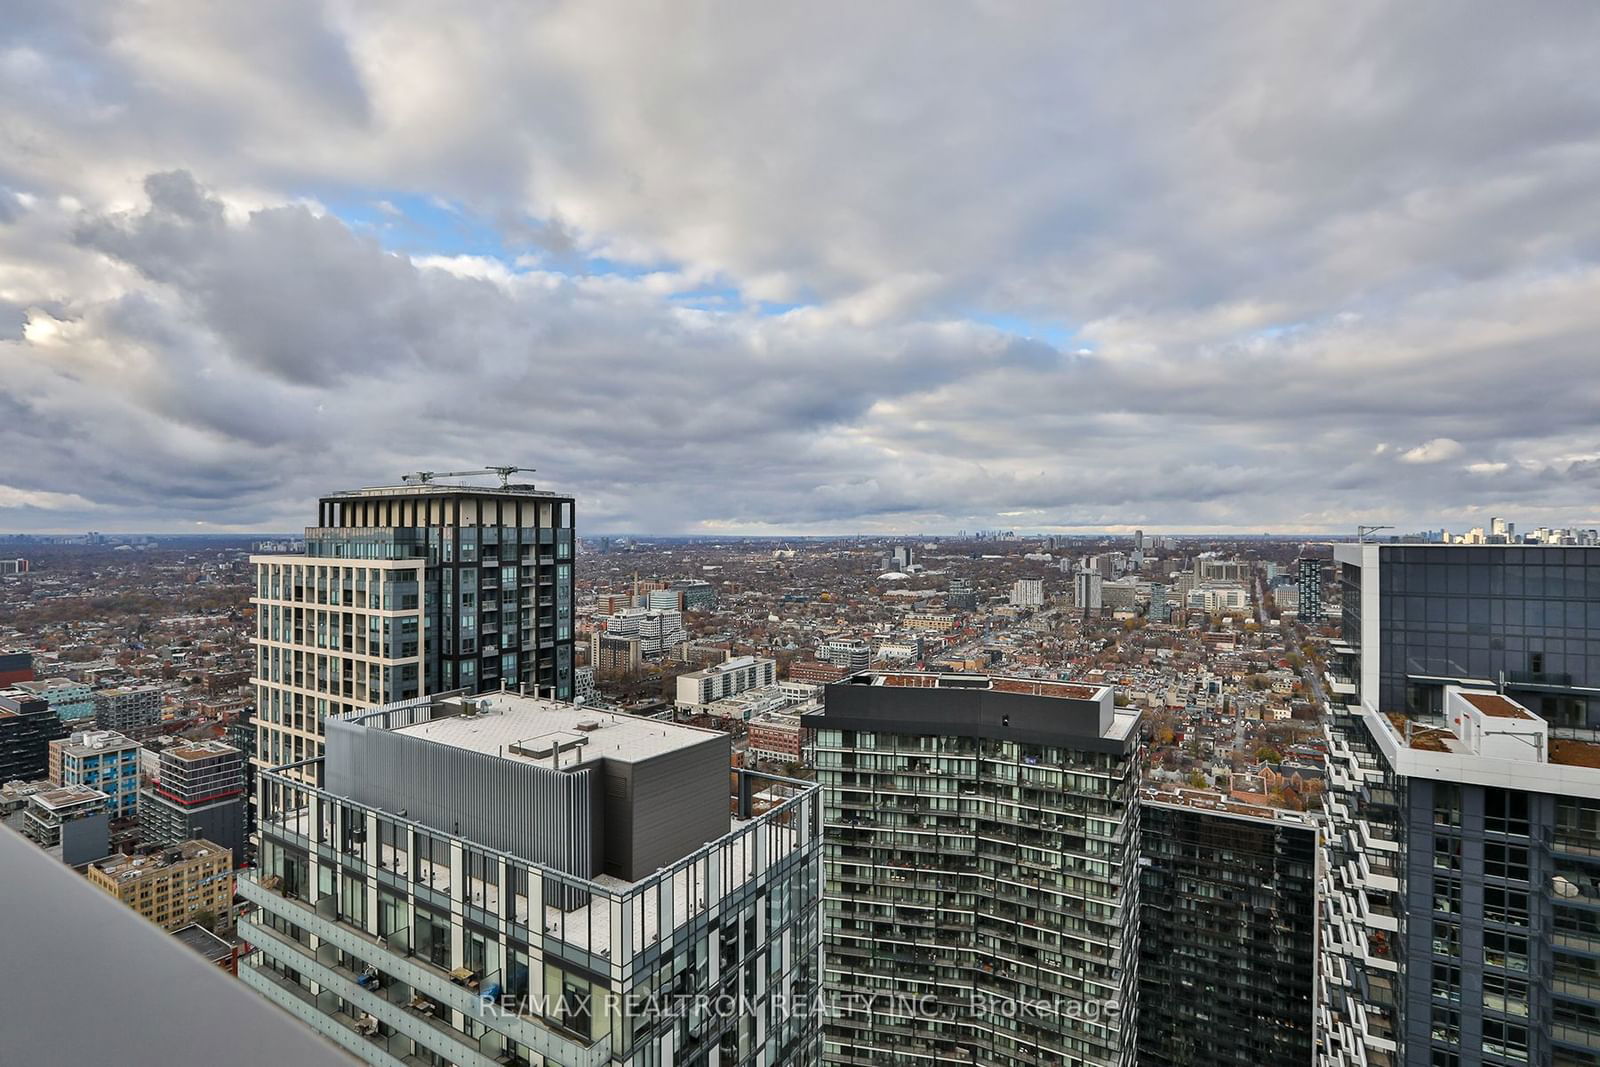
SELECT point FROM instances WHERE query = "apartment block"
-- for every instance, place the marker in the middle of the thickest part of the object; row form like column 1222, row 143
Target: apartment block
column 620, row 655
column 1027, row 593
column 506, row 879
column 198, row 791
column 71, row 700
column 982, row 891
column 103, row 760
column 410, row 589
column 170, row 885
column 130, row 710
column 27, row 726
column 728, row 678
column 851, row 653
column 657, row 631
column 70, row 820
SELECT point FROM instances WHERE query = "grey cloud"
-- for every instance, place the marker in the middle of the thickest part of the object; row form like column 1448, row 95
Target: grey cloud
column 1283, row 234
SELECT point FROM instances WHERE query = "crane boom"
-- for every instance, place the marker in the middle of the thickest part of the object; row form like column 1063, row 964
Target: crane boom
column 426, row 477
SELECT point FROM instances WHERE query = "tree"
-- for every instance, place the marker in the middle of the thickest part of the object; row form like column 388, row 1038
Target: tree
column 1268, row 754
column 1197, row 780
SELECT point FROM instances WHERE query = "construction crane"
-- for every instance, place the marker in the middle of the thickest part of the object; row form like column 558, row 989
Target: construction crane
column 426, row 477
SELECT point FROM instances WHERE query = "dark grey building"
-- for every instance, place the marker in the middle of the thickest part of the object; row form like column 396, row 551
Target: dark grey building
column 1462, row 912
column 127, row 710
column 1308, row 578
column 27, row 726
column 199, row 792
column 595, row 792
column 1227, row 933
column 982, row 858
column 497, row 594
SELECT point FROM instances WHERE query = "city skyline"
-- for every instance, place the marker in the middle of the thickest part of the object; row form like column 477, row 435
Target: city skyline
column 1218, row 269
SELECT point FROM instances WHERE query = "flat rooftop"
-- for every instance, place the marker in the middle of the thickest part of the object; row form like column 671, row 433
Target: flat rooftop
column 1034, row 710
column 191, row 750
column 203, row 941
column 93, row 741
column 122, row 866
column 68, row 795
column 1220, row 804
column 552, row 734
column 1425, row 737
column 1496, row 705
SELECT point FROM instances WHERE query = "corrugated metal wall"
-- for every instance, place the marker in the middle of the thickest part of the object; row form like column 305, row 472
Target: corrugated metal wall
column 541, row 814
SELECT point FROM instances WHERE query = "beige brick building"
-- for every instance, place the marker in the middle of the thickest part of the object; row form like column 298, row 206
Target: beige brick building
column 170, row 886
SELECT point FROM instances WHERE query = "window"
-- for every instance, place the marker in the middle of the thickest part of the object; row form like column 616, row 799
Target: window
column 1505, row 1039
column 1447, row 983
column 1447, row 896
column 1509, row 951
column 1508, row 906
column 1446, row 804
column 432, row 866
column 1505, row 811
column 1505, row 861
column 1506, row 995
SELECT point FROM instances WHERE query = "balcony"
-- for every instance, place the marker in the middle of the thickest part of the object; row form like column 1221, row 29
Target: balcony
column 433, row 982
column 425, row 1029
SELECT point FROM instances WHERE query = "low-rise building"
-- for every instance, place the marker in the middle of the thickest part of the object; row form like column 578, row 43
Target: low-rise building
column 103, row 760
column 729, row 678
column 171, row 885
column 780, row 735
column 71, row 819
column 817, row 672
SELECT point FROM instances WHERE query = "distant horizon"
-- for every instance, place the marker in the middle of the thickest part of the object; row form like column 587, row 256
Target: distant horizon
column 1020, row 535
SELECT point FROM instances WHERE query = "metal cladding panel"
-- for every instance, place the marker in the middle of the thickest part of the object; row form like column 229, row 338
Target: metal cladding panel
column 970, row 712
column 662, row 809
column 538, row 813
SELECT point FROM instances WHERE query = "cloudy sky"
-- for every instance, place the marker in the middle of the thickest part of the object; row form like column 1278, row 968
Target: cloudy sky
column 812, row 268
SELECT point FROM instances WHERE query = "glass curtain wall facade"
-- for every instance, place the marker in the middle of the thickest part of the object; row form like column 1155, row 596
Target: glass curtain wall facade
column 1463, row 876
column 1227, row 937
